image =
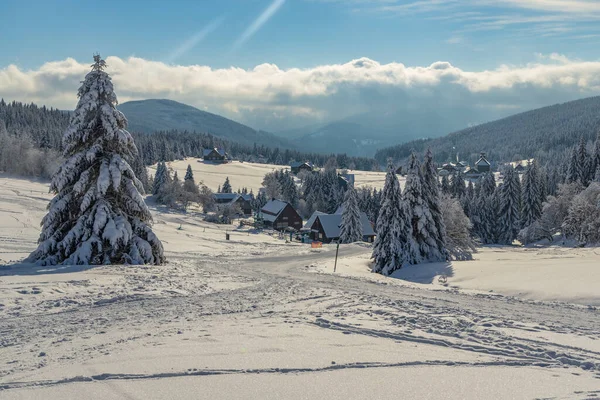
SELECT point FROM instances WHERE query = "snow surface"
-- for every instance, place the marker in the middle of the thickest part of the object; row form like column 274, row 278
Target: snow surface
column 250, row 175
column 257, row 318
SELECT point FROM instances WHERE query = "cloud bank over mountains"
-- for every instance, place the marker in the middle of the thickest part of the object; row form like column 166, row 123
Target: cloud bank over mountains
column 271, row 98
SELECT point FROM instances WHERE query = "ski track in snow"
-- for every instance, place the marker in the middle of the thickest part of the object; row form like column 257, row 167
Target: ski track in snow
column 85, row 315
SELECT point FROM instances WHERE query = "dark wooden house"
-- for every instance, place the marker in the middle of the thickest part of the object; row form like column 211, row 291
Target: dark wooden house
column 214, row 155
column 242, row 200
column 326, row 227
column 483, row 165
column 519, row 169
column 296, row 167
column 281, row 215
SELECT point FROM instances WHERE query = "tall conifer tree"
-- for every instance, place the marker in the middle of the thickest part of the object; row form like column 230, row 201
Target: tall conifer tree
column 98, row 215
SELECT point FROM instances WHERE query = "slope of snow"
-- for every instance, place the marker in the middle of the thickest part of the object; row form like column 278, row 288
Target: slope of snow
column 256, row 317
column 250, row 175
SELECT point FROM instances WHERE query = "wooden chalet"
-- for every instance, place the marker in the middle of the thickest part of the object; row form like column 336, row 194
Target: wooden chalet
column 346, row 180
column 230, row 199
column 281, row 216
column 215, row 155
column 471, row 174
column 483, row 165
column 296, row 167
column 326, row 227
column 520, row 169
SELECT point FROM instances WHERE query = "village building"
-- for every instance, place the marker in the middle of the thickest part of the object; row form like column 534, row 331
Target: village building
column 346, row 180
column 448, row 169
column 471, row 174
column 281, row 215
column 215, row 155
column 244, row 201
column 483, row 165
column 326, row 227
column 296, row 167
column 520, row 169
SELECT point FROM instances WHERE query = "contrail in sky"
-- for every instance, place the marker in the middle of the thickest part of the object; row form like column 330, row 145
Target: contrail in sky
column 194, row 40
column 259, row 22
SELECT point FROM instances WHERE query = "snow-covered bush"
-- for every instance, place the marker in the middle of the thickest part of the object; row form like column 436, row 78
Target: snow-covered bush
column 459, row 242
column 583, row 218
column 554, row 213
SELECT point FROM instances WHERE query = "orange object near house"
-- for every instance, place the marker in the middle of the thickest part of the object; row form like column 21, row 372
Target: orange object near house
column 316, row 245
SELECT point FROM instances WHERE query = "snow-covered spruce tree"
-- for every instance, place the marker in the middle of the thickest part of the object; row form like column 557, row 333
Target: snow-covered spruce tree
column 595, row 164
column 584, row 162
column 446, row 185
column 226, row 188
column 161, row 178
column 509, row 207
column 189, row 184
column 431, row 198
column 573, row 170
column 424, row 229
column 531, row 198
column 98, row 215
column 351, row 227
column 394, row 245
column 189, row 174
column 457, row 183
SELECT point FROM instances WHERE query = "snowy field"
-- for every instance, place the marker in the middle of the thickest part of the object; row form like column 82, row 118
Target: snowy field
column 256, row 318
column 250, row 175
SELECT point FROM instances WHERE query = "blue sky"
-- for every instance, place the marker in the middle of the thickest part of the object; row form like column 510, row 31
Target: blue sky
column 300, row 33
column 284, row 64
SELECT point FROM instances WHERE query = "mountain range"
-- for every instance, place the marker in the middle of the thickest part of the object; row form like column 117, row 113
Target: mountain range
column 394, row 133
column 147, row 116
column 544, row 133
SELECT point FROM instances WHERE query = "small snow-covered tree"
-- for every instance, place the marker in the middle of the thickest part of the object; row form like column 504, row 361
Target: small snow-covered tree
column 98, row 215
column 509, row 207
column 351, row 226
column 189, row 174
column 457, row 183
column 531, row 198
column 446, row 185
column 226, row 188
column 394, row 245
column 160, row 178
column 189, row 184
column 595, row 163
column 573, row 167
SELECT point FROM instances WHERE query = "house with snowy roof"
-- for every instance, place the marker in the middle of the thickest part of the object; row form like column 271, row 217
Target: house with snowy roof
column 215, row 155
column 296, row 167
column 326, row 228
column 281, row 215
column 244, row 201
column 346, row 180
column 483, row 165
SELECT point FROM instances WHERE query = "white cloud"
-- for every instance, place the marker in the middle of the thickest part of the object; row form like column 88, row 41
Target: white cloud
column 269, row 97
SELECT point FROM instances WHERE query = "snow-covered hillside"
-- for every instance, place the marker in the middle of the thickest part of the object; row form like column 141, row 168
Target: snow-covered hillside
column 250, row 175
column 256, row 317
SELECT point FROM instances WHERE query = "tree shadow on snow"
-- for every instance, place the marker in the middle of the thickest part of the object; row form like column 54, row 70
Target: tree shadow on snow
column 424, row 273
column 32, row 269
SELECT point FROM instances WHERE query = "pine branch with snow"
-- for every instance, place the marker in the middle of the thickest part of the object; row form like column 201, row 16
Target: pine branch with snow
column 98, row 215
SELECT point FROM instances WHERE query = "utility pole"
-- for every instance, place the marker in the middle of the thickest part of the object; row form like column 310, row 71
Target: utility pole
column 337, row 249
